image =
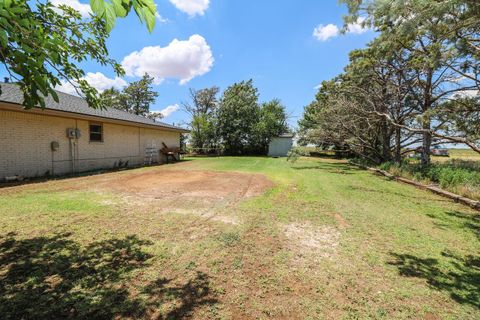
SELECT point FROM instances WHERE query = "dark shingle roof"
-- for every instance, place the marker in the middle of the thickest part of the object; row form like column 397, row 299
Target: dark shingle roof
column 72, row 104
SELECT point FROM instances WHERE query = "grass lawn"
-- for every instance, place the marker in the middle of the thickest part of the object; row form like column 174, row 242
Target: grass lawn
column 327, row 241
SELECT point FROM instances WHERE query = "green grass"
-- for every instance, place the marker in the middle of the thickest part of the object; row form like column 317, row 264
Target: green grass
column 384, row 251
column 460, row 173
column 462, row 154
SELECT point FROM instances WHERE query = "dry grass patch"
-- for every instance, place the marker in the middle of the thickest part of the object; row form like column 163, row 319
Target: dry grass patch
column 311, row 244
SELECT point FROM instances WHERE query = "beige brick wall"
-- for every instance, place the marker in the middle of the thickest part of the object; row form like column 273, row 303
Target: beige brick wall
column 25, row 145
column 152, row 138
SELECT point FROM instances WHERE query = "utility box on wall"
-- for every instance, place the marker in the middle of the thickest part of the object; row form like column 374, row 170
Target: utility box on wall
column 73, row 133
column 280, row 146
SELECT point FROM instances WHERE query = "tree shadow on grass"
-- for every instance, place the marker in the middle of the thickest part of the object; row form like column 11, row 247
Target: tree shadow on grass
column 55, row 277
column 463, row 220
column 459, row 276
column 470, row 221
column 186, row 298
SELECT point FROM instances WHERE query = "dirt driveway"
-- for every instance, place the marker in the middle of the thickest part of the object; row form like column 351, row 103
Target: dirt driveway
column 175, row 188
column 186, row 191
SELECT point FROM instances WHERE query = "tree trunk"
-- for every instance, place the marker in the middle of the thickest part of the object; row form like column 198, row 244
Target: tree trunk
column 398, row 145
column 386, row 155
column 385, row 138
column 426, row 125
column 427, row 142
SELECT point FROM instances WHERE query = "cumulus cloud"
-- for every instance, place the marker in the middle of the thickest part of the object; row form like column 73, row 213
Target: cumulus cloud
column 97, row 80
column 182, row 60
column 161, row 19
column 66, row 87
column 467, row 94
column 192, row 7
column 357, row 27
column 166, row 112
column 101, row 82
column 83, row 8
column 325, row 32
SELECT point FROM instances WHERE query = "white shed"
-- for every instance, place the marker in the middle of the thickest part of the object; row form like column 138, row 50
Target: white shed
column 281, row 145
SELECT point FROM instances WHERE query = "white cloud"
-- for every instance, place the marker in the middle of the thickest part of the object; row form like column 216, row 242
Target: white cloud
column 182, row 60
column 97, row 80
column 100, row 82
column 192, row 7
column 357, row 27
column 83, row 8
column 161, row 19
column 325, row 32
column 465, row 94
column 166, row 112
column 66, row 87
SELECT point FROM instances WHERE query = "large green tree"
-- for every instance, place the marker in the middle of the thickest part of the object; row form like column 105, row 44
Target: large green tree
column 244, row 126
column 202, row 108
column 112, row 98
column 272, row 122
column 461, row 18
column 439, row 39
column 41, row 45
column 138, row 96
column 135, row 98
column 238, row 115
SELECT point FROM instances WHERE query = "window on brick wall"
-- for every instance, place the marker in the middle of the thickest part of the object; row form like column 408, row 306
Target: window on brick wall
column 96, row 132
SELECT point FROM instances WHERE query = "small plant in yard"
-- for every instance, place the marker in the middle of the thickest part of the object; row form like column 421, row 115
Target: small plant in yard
column 237, row 263
column 295, row 153
column 191, row 265
column 229, row 239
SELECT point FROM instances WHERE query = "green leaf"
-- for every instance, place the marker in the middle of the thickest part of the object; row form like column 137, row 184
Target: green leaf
column 98, row 7
column 41, row 101
column 3, row 38
column 150, row 20
column 146, row 10
column 150, row 4
column 120, row 8
column 110, row 17
column 54, row 95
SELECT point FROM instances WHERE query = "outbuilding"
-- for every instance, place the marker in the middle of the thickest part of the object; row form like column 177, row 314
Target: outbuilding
column 70, row 137
column 281, row 145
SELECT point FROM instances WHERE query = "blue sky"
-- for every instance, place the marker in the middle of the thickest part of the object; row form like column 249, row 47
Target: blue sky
column 270, row 41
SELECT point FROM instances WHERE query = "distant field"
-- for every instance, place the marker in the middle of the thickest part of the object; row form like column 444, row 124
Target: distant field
column 463, row 154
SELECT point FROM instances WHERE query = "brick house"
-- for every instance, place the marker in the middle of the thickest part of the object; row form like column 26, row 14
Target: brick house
column 70, row 137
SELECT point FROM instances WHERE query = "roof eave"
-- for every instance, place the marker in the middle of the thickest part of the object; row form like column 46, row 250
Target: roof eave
column 68, row 114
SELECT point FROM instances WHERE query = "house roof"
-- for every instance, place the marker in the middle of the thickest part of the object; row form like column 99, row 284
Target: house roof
column 11, row 93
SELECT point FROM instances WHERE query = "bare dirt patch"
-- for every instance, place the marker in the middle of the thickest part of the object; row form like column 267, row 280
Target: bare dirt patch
column 167, row 190
column 311, row 243
column 199, row 184
column 187, row 191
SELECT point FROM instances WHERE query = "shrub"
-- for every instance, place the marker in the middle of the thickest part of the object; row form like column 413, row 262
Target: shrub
column 455, row 175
